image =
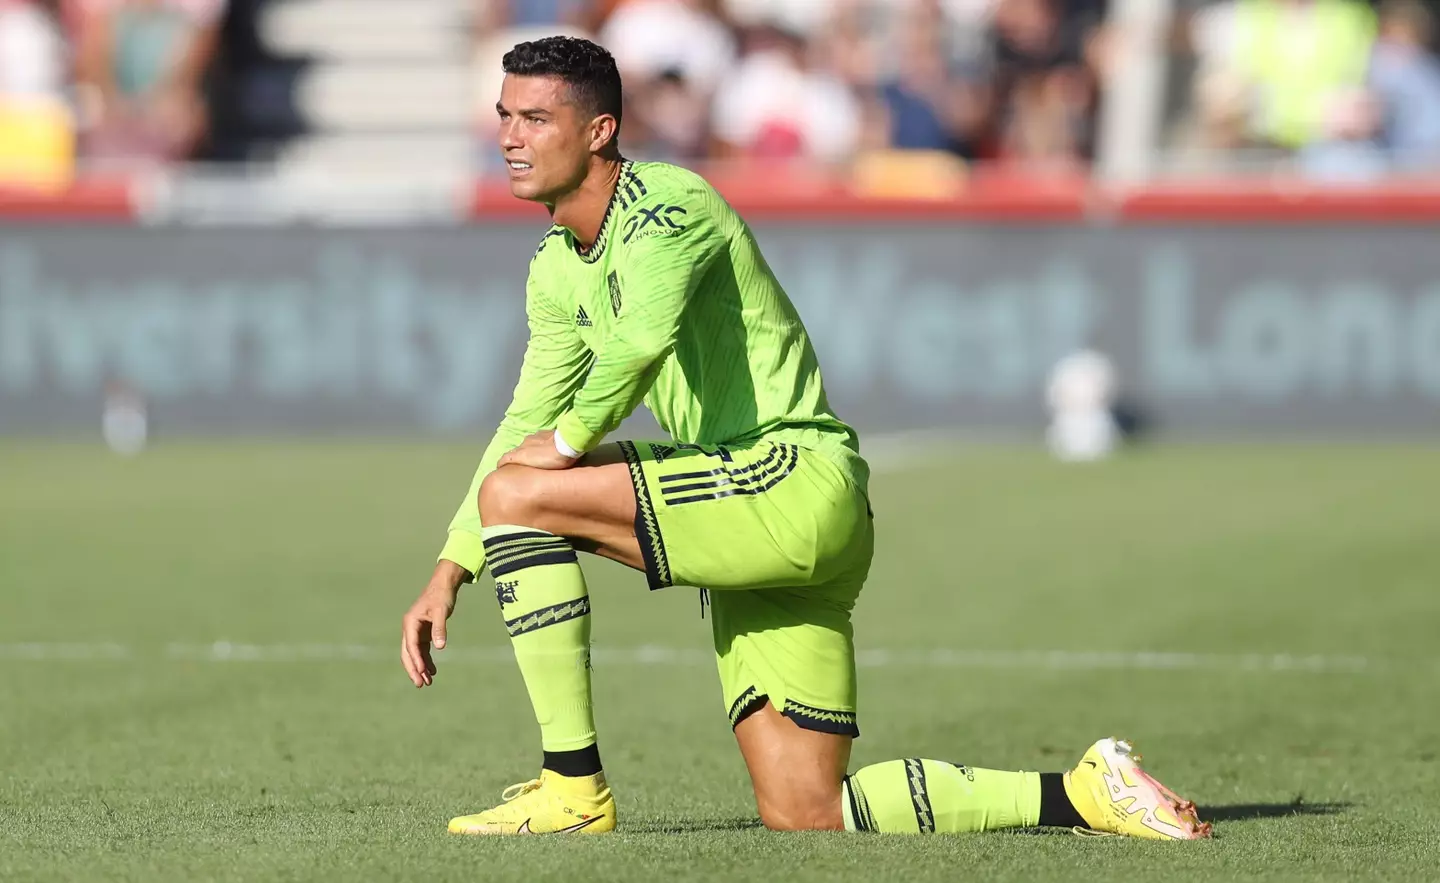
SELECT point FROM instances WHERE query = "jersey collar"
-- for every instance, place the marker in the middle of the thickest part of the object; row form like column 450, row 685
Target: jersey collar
column 597, row 248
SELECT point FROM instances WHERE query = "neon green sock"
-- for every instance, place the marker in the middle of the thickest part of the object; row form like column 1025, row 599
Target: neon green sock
column 546, row 607
column 915, row 796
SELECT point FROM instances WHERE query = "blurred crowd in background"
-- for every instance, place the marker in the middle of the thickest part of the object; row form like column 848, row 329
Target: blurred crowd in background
column 1344, row 89
column 824, row 82
column 112, row 81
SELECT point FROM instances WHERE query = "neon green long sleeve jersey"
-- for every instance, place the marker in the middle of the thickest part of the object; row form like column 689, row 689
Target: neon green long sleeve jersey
column 673, row 304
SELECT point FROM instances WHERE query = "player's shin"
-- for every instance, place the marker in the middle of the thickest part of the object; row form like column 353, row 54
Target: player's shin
column 546, row 607
column 917, row 796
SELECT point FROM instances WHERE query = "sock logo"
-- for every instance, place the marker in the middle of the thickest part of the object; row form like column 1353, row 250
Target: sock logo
column 965, row 771
column 505, row 591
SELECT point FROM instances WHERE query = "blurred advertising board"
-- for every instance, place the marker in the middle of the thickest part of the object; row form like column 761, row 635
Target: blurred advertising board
column 1216, row 329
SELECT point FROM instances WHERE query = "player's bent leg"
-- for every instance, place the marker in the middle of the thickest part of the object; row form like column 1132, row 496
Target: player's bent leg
column 591, row 504
column 533, row 520
column 796, row 773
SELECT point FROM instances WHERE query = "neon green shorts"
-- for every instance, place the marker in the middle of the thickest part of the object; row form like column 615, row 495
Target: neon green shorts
column 783, row 539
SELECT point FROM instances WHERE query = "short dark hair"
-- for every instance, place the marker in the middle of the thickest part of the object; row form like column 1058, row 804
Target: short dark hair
column 587, row 68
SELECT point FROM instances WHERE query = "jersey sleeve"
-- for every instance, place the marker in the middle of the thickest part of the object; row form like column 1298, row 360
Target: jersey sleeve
column 555, row 363
column 667, row 245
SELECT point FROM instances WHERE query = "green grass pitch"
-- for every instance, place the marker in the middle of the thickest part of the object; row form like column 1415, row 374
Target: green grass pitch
column 1263, row 621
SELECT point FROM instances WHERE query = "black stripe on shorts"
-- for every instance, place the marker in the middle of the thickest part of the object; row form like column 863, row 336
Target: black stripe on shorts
column 822, row 720
column 647, row 526
column 748, row 486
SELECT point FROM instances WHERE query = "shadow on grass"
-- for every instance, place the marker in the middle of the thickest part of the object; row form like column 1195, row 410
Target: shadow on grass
column 1235, row 812
column 691, row 826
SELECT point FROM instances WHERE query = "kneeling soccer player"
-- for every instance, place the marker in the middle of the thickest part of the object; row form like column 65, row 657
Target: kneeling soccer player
column 649, row 286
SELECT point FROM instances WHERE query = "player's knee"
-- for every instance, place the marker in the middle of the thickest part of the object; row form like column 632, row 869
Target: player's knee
column 507, row 497
column 801, row 815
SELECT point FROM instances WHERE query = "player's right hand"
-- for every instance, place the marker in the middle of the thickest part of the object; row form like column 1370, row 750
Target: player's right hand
column 423, row 624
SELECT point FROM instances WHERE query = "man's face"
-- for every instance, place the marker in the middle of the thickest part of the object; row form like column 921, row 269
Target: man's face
column 545, row 138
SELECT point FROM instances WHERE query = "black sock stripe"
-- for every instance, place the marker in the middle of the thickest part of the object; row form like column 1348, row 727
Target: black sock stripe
column 1056, row 810
column 867, row 812
column 548, row 616
column 494, row 549
column 561, row 556
column 578, row 762
column 919, row 794
column 498, row 555
column 526, row 535
column 502, row 554
column 852, row 789
column 528, row 545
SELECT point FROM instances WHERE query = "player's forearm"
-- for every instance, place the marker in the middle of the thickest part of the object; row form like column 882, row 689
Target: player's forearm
column 613, row 391
column 449, row 576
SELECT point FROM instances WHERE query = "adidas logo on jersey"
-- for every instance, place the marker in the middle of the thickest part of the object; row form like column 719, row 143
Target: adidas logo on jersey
column 582, row 319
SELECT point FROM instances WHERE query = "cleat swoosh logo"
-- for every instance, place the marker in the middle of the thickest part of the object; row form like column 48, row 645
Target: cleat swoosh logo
column 525, row 826
column 585, row 824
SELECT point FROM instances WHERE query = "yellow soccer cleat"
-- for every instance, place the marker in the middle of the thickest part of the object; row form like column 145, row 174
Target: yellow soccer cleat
column 1115, row 796
column 551, row 804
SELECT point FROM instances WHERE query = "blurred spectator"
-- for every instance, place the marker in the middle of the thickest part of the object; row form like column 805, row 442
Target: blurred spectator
column 850, row 43
column 32, row 50
column 927, row 106
column 1405, row 80
column 1045, row 90
column 666, row 120
column 803, row 17
column 491, row 16
column 652, row 37
column 36, row 131
column 140, row 67
column 832, row 80
column 1393, row 124
column 776, row 105
column 1281, row 65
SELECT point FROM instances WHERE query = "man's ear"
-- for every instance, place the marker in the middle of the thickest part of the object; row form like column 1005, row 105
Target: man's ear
column 603, row 130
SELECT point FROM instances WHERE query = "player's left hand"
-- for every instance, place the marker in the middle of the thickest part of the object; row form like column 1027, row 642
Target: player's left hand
column 538, row 452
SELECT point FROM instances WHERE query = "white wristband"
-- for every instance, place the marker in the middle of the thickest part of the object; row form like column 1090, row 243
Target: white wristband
column 564, row 449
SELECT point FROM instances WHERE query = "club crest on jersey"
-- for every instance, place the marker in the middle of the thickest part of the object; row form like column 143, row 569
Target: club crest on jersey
column 650, row 221
column 614, row 281
column 505, row 591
